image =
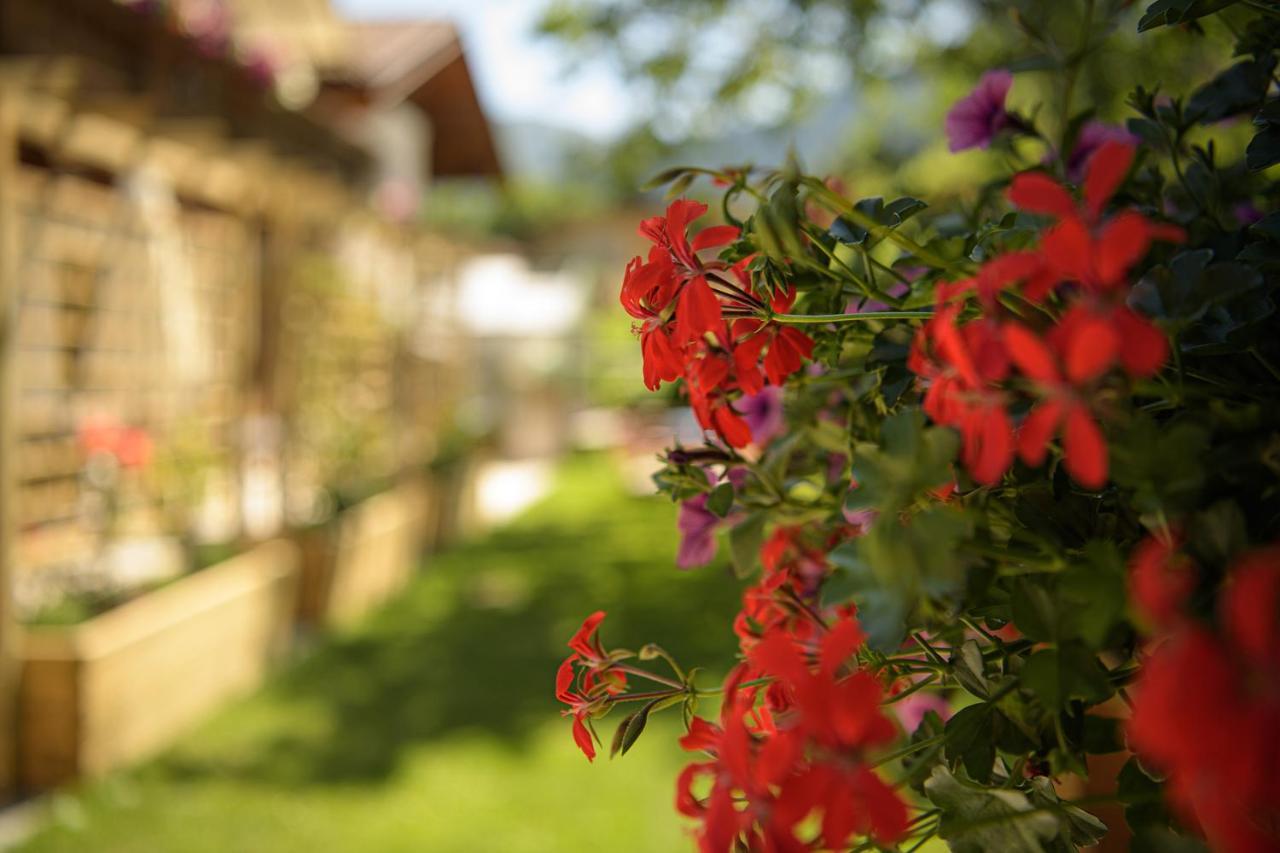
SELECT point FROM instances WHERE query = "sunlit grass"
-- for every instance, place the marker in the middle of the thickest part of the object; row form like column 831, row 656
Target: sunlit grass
column 432, row 727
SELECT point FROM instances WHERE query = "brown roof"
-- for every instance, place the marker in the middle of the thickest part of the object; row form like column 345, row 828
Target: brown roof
column 423, row 62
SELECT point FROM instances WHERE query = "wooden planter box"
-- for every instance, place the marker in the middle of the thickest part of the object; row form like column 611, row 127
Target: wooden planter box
column 454, row 514
column 364, row 557
column 114, row 689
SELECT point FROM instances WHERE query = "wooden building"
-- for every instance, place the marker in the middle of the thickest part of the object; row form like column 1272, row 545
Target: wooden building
column 168, row 171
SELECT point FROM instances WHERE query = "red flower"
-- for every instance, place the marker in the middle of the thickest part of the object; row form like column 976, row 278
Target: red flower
column 1206, row 709
column 1081, row 247
column 709, row 380
column 1161, row 579
column 599, row 680
column 785, row 348
column 585, row 642
column 963, row 366
column 669, row 293
column 131, row 446
column 580, row 707
column 1061, row 408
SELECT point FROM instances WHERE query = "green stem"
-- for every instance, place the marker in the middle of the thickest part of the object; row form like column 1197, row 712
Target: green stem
column 862, row 284
column 908, row 750
column 866, row 316
column 1270, row 368
column 919, row 685
column 1073, row 71
column 644, row 697
column 632, row 670
column 928, row 649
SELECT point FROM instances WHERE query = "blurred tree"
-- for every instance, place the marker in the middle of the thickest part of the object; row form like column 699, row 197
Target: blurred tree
column 712, row 68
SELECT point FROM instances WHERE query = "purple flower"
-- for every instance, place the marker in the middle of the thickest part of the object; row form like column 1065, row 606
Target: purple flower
column 763, row 414
column 975, row 120
column 697, row 526
column 1246, row 212
column 1092, row 136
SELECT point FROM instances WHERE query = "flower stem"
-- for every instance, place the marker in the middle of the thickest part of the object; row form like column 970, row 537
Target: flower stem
column 632, row 670
column 908, row 750
column 866, row 316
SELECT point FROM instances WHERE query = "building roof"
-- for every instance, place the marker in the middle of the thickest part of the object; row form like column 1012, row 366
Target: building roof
column 422, row 62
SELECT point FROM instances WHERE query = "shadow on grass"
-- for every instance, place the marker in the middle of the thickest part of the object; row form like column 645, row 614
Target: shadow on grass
column 475, row 641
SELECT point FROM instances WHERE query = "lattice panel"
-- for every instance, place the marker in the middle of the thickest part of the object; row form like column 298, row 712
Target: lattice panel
column 133, row 308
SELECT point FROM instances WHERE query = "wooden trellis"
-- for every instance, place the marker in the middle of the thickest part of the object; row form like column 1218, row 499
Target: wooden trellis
column 145, row 321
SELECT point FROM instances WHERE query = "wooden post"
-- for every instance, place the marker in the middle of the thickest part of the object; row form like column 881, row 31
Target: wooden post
column 9, row 657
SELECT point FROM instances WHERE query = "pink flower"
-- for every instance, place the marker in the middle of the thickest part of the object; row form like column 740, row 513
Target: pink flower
column 975, row 120
column 697, row 526
column 763, row 414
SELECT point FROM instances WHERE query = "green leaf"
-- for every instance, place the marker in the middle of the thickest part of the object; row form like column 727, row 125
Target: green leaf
column 1189, row 286
column 745, row 539
column 980, row 820
column 1168, row 13
column 1034, row 612
column 1092, row 594
column 720, row 500
column 1068, row 672
column 1238, row 89
column 853, row 233
column 1162, row 464
column 1264, row 149
column 1078, row 828
column 970, row 741
column 970, row 669
column 882, row 610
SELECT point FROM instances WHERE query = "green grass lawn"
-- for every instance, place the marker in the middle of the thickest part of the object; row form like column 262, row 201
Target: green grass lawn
column 432, row 727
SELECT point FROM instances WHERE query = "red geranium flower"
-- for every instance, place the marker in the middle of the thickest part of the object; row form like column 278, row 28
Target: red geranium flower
column 1206, row 709
column 1082, row 247
column 1061, row 408
column 599, row 680
column 1161, row 579
column 964, row 366
column 785, row 349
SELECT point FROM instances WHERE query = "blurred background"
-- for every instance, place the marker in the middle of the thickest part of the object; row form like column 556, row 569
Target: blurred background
column 320, row 427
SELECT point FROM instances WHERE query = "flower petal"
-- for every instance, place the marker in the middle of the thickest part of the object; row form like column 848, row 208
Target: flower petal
column 1091, row 348
column 1143, row 347
column 1107, row 169
column 582, row 737
column 1122, row 243
column 1032, row 356
column 1037, row 431
column 1086, row 449
column 1036, row 192
column 716, row 235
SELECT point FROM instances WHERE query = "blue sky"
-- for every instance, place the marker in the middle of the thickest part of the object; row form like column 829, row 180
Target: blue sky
column 520, row 77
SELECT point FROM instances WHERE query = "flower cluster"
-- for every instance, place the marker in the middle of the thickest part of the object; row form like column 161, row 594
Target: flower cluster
column 1218, row 742
column 802, row 750
column 704, row 321
column 1002, row 401
column 588, row 680
column 1051, row 326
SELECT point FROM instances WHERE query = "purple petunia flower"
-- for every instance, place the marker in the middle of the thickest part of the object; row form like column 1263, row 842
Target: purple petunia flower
column 1092, row 136
column 697, row 526
column 974, row 121
column 763, row 414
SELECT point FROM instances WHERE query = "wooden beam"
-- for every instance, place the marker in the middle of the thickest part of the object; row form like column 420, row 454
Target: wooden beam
column 9, row 654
